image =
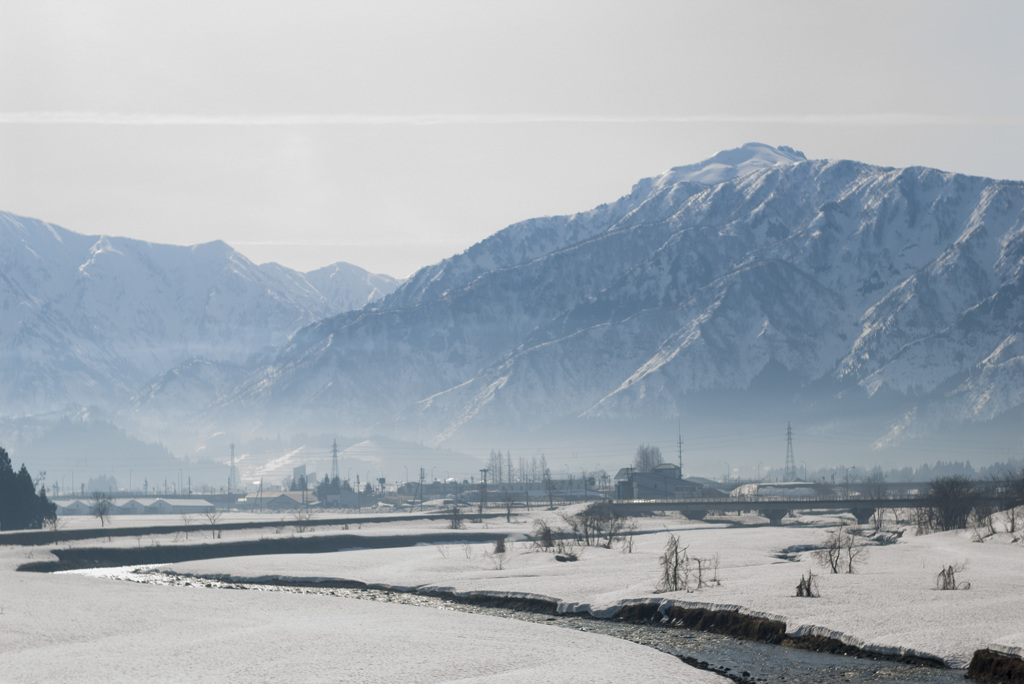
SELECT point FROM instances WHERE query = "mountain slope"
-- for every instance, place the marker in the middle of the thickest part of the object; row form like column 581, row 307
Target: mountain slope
column 824, row 279
column 90, row 319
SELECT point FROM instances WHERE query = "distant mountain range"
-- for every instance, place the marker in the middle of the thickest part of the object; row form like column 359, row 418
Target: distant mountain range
column 93, row 320
column 757, row 283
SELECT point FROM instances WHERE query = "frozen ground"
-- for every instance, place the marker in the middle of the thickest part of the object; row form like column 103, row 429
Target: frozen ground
column 69, row 627
column 889, row 604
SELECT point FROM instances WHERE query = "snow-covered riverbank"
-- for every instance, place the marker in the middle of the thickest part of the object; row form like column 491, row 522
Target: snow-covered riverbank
column 76, row 628
column 890, row 605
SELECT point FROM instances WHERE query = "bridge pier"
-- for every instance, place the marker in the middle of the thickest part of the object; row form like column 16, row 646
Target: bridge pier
column 862, row 514
column 696, row 514
column 774, row 515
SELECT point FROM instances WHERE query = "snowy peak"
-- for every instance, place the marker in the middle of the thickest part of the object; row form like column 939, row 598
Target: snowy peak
column 754, row 271
column 730, row 164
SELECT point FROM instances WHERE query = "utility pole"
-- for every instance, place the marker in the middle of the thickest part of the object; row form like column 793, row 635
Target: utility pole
column 422, row 477
column 790, row 474
column 483, row 491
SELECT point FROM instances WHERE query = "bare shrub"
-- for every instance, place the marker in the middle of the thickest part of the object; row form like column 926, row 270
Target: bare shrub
column 543, row 535
column 596, row 525
column 682, row 572
column 674, row 566
column 946, row 579
column 628, row 535
column 707, row 571
column 455, row 517
column 443, row 550
column 807, row 587
column 501, row 554
column 303, row 518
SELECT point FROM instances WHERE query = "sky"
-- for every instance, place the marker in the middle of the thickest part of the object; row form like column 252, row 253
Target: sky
column 394, row 133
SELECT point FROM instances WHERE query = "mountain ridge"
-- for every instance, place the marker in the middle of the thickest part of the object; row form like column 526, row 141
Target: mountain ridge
column 757, row 284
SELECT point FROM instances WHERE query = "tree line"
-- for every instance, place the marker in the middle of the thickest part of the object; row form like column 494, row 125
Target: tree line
column 21, row 506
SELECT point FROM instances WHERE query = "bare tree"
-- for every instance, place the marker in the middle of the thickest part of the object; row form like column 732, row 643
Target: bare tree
column 551, row 487
column 1009, row 487
column 186, row 520
column 101, row 506
column 212, row 516
column 853, row 549
column 646, row 458
column 951, row 500
column 842, row 549
column 508, row 501
column 875, row 487
column 830, row 554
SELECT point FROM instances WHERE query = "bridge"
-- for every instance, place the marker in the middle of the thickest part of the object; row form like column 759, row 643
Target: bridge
column 775, row 508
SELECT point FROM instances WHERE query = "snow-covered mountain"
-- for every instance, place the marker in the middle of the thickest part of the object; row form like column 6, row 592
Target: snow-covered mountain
column 757, row 278
column 758, row 285
column 90, row 320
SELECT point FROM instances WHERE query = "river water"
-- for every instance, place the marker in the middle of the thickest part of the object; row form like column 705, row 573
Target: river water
column 741, row 660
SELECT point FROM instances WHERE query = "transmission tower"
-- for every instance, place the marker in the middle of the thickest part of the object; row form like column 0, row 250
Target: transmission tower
column 233, row 473
column 680, row 449
column 790, row 475
column 334, row 462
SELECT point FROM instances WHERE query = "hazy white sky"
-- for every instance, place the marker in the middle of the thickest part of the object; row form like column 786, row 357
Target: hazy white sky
column 392, row 134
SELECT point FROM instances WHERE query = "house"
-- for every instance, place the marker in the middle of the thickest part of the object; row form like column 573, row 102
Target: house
column 179, row 506
column 131, row 506
column 664, row 481
column 76, row 507
column 280, row 501
column 784, row 490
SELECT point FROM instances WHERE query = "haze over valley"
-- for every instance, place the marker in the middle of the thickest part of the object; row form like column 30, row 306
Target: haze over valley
column 876, row 309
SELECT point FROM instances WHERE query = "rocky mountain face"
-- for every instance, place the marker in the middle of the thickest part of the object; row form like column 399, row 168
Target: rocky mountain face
column 824, row 285
column 757, row 284
column 91, row 320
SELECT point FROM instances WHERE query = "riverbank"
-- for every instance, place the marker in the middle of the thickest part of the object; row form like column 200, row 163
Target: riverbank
column 69, row 627
column 888, row 607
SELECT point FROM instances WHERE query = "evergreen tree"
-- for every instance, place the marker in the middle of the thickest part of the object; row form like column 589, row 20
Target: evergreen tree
column 20, row 506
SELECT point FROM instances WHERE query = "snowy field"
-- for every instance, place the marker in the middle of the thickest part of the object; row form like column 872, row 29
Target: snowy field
column 68, row 627
column 889, row 604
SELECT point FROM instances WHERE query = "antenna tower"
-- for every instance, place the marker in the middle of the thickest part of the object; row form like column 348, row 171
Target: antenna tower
column 790, row 474
column 680, row 449
column 334, row 462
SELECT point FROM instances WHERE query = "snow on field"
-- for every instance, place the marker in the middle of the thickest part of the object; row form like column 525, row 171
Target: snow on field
column 890, row 604
column 70, row 627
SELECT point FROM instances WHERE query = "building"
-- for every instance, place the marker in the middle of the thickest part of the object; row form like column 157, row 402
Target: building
column 279, row 501
column 137, row 506
column 665, row 481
